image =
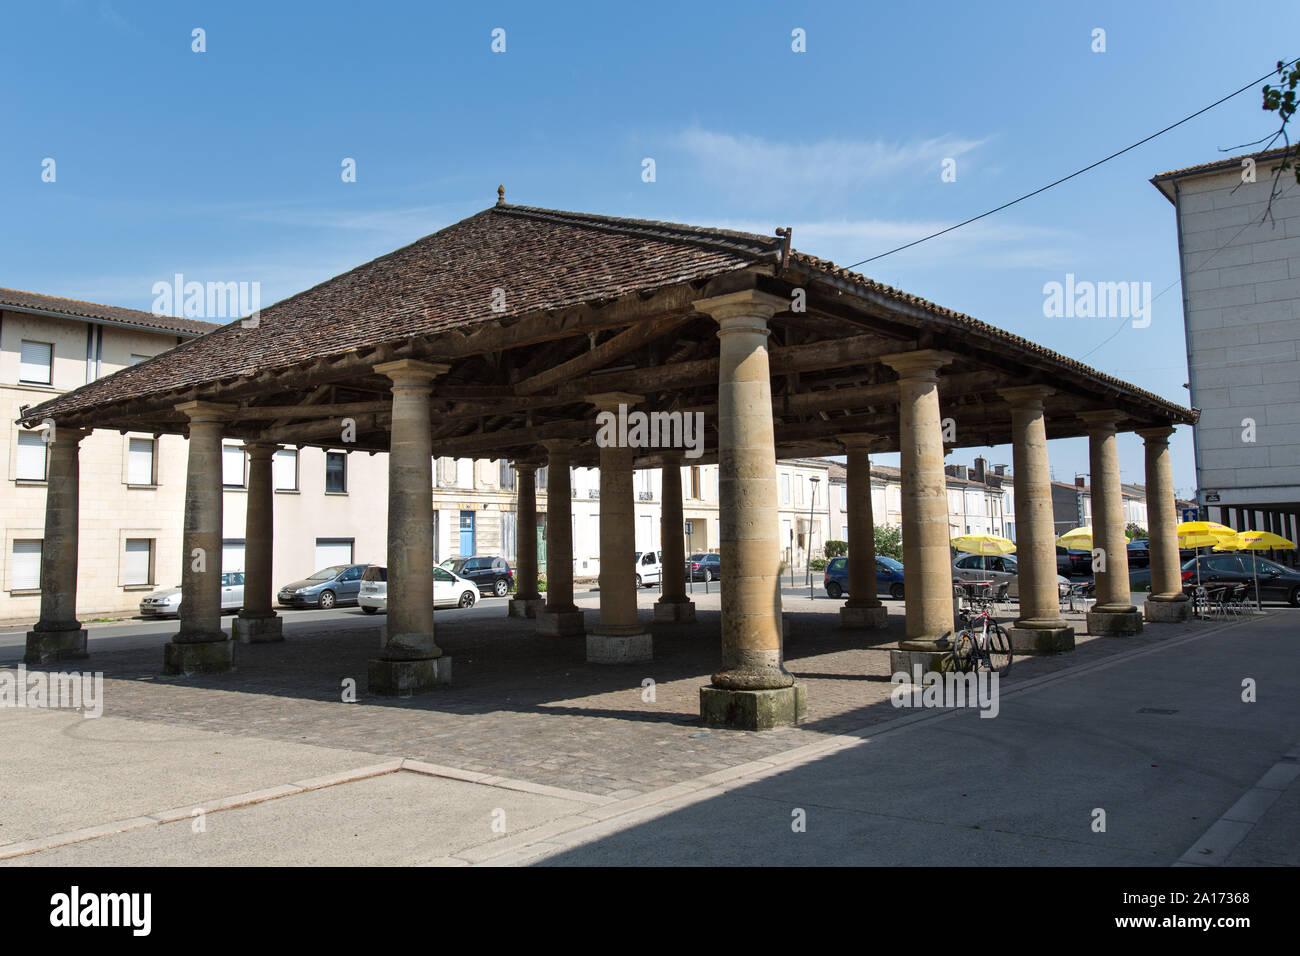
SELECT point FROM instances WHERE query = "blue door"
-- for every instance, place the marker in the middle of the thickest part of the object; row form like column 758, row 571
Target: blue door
column 466, row 533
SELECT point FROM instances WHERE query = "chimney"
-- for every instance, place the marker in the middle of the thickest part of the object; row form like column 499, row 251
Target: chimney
column 1078, row 481
column 1001, row 470
column 980, row 465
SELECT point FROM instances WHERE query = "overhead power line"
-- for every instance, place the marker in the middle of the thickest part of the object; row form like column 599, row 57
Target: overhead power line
column 1077, row 172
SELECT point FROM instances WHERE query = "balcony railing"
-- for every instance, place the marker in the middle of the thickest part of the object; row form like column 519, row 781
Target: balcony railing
column 645, row 496
column 593, row 492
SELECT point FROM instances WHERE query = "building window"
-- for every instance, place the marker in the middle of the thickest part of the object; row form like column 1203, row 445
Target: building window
column 336, row 473
column 35, row 363
column 507, row 476
column 541, row 479
column 32, row 449
column 138, row 565
column 25, row 565
column 695, row 481
column 140, row 461
column 285, row 466
column 785, row 487
column 464, row 472
column 232, row 466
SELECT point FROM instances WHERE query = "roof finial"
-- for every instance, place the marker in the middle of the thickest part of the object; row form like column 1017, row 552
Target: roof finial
column 501, row 195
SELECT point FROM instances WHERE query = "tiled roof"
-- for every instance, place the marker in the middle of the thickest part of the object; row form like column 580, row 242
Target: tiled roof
column 33, row 301
column 1219, row 164
column 541, row 259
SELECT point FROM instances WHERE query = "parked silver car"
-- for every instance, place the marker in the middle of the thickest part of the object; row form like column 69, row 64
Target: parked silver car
column 993, row 567
column 449, row 589
column 166, row 602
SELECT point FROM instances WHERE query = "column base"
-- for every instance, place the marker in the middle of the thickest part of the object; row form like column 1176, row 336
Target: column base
column 674, row 613
column 753, row 709
column 257, row 630
column 1115, row 623
column 560, row 623
column 1167, row 611
column 619, row 648
column 863, row 618
column 928, row 660
column 47, row 647
column 407, row 678
column 206, row 657
column 525, row 607
column 1041, row 640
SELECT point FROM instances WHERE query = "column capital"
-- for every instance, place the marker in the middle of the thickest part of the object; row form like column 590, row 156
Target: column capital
column 857, row 440
column 559, row 446
column 747, row 310
column 411, row 371
column 922, row 364
column 62, row 435
column 1101, row 420
column 260, row 449
column 1026, row 396
column 1156, row 436
column 524, row 464
column 610, row 401
column 207, row 411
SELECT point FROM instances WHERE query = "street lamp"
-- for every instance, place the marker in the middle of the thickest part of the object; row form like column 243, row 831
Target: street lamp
column 812, row 503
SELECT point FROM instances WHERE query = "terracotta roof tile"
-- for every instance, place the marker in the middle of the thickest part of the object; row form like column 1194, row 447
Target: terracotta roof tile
column 33, row 301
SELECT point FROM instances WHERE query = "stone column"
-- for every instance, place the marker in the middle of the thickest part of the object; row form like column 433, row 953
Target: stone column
column 257, row 622
column 1167, row 601
column 527, row 600
column 201, row 646
column 619, row 638
column 560, row 617
column 863, row 610
column 673, row 606
column 58, row 635
column 1040, row 627
column 1114, row 613
column 753, row 690
column 927, row 565
column 410, row 661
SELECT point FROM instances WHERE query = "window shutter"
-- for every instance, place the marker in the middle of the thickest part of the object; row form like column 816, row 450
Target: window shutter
column 138, row 552
column 286, row 470
column 232, row 465
column 35, row 362
column 26, row 567
column 139, row 462
column 31, row 456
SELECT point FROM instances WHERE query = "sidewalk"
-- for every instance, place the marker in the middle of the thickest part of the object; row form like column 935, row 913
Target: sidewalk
column 1075, row 733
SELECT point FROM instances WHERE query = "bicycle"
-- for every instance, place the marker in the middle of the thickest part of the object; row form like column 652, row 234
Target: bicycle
column 981, row 642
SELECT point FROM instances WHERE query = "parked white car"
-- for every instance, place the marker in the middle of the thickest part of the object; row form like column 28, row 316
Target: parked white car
column 996, row 568
column 649, row 568
column 166, row 602
column 449, row 589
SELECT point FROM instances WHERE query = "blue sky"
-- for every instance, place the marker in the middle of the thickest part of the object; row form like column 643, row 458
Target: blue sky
column 225, row 165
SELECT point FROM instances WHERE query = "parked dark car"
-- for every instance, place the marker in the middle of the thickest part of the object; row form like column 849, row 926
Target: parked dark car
column 1070, row 561
column 339, row 584
column 889, row 577
column 704, row 566
column 1276, row 582
column 492, row 575
column 1139, row 553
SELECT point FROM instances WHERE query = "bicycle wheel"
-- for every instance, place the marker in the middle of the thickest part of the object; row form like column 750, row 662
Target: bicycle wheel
column 998, row 646
column 963, row 648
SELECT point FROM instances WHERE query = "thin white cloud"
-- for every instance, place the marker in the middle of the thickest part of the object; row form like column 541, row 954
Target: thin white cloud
column 821, row 167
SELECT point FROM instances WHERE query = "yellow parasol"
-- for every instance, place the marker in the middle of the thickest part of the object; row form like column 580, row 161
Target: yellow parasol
column 1253, row 541
column 983, row 544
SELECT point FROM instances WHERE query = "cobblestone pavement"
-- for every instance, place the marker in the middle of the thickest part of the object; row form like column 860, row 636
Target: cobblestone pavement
column 530, row 707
